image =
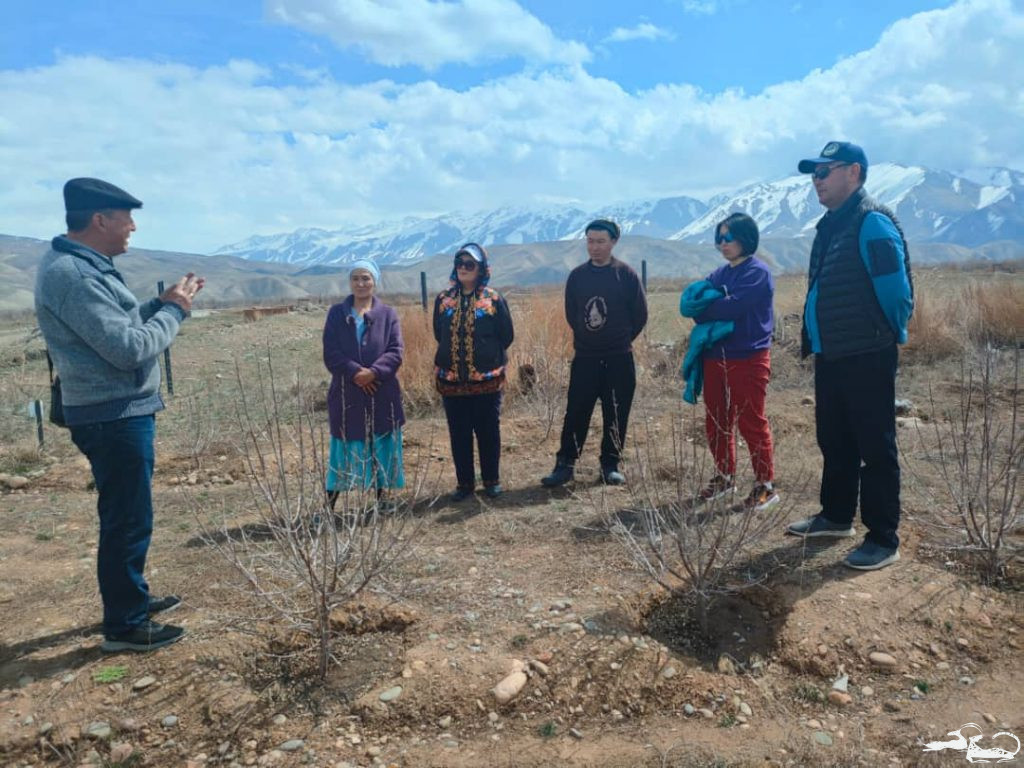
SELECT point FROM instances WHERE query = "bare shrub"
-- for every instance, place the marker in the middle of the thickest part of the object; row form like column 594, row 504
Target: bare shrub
column 542, row 347
column 301, row 556
column 979, row 453
column 686, row 546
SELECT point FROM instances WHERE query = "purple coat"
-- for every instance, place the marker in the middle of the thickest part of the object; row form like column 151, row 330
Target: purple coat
column 349, row 408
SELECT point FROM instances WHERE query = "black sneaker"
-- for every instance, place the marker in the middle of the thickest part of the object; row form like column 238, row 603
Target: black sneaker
column 164, row 604
column 560, row 475
column 461, row 494
column 493, row 491
column 148, row 636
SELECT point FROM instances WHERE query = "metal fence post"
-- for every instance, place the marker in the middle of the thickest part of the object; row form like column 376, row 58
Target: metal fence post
column 167, row 352
column 423, row 289
column 643, row 274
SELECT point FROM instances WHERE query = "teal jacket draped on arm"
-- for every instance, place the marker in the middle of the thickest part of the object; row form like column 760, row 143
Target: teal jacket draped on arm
column 696, row 298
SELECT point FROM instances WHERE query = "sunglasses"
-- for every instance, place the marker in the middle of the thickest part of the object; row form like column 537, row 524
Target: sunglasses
column 728, row 237
column 467, row 264
column 822, row 171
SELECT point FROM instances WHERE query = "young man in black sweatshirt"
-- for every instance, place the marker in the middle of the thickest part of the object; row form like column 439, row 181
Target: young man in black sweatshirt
column 606, row 308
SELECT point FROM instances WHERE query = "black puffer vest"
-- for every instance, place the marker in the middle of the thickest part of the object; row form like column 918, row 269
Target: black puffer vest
column 850, row 319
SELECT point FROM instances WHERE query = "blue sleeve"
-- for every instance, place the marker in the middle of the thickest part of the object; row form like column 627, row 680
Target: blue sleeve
column 752, row 289
column 881, row 250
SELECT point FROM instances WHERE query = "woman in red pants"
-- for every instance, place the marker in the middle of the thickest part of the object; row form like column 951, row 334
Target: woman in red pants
column 737, row 368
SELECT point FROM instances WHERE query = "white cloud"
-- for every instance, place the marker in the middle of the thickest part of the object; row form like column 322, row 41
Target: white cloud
column 221, row 153
column 701, row 7
column 429, row 33
column 642, row 31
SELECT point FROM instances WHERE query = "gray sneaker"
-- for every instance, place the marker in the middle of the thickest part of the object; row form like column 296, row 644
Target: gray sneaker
column 819, row 526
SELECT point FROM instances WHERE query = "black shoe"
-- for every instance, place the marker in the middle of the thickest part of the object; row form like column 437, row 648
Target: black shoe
column 612, row 476
column 164, row 604
column 148, row 636
column 493, row 491
column 461, row 494
column 560, row 475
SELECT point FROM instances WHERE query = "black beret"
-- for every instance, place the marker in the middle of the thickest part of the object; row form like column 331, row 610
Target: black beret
column 96, row 195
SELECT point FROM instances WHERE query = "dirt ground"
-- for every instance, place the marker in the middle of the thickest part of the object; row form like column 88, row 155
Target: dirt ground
column 618, row 673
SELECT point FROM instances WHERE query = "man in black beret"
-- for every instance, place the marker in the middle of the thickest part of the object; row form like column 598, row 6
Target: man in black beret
column 105, row 346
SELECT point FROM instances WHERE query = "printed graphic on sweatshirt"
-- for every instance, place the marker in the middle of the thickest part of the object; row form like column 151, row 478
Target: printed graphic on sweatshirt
column 595, row 313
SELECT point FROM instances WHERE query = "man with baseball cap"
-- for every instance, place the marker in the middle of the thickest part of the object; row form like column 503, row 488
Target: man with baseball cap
column 859, row 301
column 105, row 346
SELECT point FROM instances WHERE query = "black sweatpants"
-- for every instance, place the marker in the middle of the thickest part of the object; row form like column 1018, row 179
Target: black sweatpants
column 480, row 415
column 612, row 380
column 855, row 416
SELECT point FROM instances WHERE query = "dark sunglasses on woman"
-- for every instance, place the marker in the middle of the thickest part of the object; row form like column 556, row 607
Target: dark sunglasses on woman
column 467, row 264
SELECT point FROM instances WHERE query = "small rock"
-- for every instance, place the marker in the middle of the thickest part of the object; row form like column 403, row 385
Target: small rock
column 943, row 665
column 814, row 724
column 445, row 721
column 823, row 737
column 143, row 682
column 14, row 482
column 509, row 687
column 689, row 709
column 119, row 753
column 882, row 661
column 806, row 400
column 962, row 642
column 841, row 683
column 373, row 751
column 989, row 718
column 966, row 680
column 292, row 745
column 45, row 728
column 98, row 730
column 541, row 667
column 492, row 717
column 391, row 694
column 840, row 699
column 169, row 722
column 892, row 706
column 745, row 709
column 822, row 649
column 867, row 691
column 934, row 649
column 279, row 719
column 668, row 672
column 726, row 665
column 576, row 734
column 705, row 713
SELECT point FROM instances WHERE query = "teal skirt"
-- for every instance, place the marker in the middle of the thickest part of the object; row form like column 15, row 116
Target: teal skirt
column 373, row 463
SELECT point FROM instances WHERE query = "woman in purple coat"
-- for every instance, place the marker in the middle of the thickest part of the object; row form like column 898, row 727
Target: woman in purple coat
column 363, row 350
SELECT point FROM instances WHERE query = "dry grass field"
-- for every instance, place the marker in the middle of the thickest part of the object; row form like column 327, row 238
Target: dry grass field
column 557, row 586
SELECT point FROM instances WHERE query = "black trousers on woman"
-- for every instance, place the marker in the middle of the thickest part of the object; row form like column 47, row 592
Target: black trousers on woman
column 479, row 415
column 612, row 380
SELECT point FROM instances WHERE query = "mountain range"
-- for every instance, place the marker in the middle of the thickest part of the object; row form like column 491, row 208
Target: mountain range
column 948, row 217
column 966, row 209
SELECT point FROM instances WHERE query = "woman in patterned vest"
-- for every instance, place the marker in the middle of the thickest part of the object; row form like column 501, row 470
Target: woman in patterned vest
column 473, row 328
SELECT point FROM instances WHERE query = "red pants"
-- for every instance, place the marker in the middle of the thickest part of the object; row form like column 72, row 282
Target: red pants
column 734, row 393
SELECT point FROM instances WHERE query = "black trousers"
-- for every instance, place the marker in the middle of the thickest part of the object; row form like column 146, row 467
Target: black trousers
column 855, row 416
column 479, row 415
column 612, row 380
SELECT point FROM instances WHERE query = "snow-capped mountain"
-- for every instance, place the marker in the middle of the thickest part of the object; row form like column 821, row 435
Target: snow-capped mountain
column 969, row 208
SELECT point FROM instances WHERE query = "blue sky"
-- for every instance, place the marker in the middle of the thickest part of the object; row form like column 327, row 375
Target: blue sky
column 236, row 118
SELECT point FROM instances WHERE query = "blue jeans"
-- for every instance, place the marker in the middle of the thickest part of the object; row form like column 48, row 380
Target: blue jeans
column 121, row 455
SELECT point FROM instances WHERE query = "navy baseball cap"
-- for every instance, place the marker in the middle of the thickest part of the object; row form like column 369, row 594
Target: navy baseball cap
column 87, row 194
column 835, row 152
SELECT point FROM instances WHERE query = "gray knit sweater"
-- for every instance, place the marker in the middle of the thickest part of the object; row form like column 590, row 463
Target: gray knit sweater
column 105, row 345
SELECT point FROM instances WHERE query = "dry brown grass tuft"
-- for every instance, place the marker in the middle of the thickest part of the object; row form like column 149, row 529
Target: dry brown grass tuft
column 995, row 313
column 931, row 333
